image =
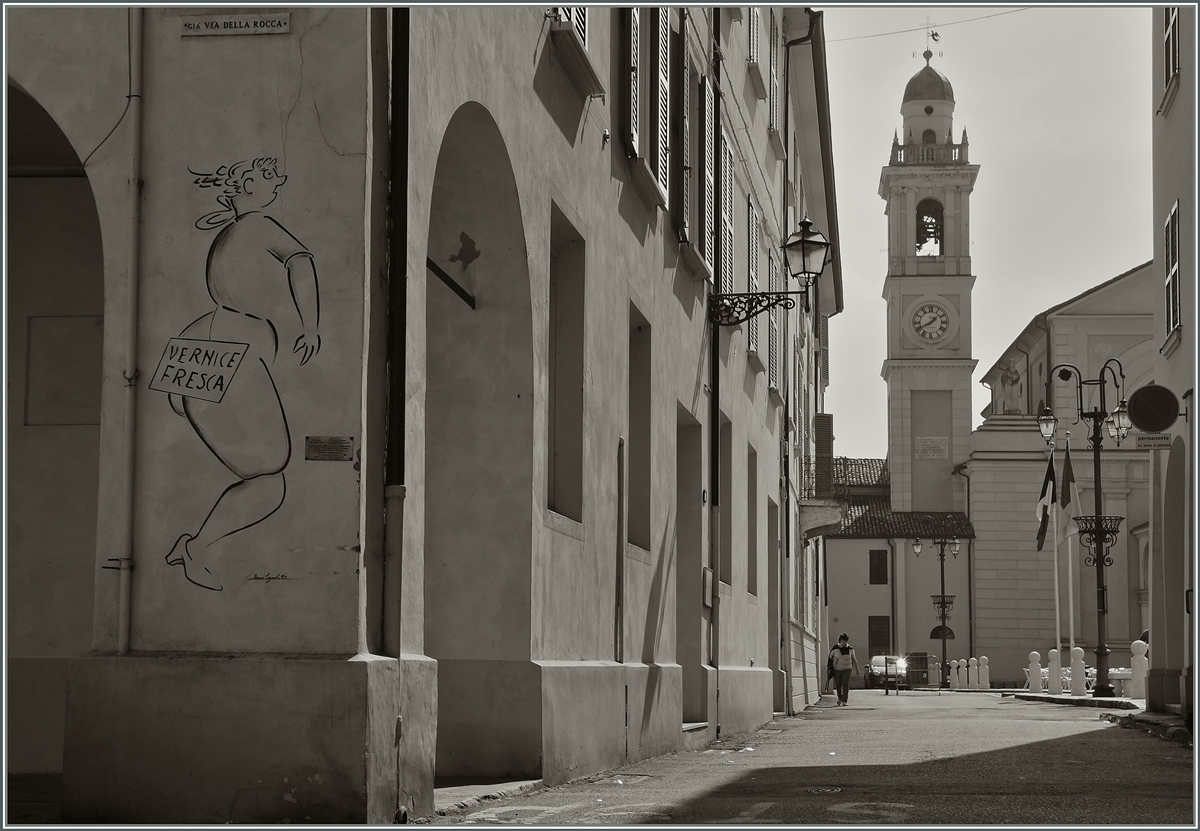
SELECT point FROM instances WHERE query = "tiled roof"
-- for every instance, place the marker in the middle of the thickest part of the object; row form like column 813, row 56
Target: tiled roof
column 872, row 517
column 851, row 472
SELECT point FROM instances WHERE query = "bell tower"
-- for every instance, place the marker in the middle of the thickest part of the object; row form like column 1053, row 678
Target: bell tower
column 926, row 187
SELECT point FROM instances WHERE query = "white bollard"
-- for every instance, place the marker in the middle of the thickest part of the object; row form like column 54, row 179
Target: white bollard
column 1054, row 677
column 972, row 674
column 1035, row 672
column 1078, row 673
column 985, row 675
column 1139, row 669
column 955, row 680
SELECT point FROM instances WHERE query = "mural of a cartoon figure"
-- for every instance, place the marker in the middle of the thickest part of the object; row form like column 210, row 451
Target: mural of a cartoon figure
column 257, row 274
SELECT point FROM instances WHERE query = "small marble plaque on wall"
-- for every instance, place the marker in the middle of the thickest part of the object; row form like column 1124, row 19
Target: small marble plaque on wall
column 931, row 447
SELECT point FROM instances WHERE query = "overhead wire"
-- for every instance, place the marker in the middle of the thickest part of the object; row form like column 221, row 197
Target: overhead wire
column 931, row 26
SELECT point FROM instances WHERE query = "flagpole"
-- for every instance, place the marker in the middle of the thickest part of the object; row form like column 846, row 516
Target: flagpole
column 1057, row 613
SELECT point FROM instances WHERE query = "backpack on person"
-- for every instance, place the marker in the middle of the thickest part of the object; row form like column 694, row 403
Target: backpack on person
column 841, row 657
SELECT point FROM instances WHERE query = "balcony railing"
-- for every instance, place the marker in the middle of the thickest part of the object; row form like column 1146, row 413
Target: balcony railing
column 929, row 153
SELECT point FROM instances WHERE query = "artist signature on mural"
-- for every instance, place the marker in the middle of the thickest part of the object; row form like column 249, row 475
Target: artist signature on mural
column 268, row 577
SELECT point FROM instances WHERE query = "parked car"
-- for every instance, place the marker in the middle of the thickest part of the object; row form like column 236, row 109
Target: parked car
column 885, row 669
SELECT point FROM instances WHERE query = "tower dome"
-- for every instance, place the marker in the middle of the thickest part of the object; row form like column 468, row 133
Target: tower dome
column 928, row 107
column 928, row 85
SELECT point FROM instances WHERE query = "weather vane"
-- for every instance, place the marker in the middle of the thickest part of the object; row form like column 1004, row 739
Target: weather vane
column 930, row 34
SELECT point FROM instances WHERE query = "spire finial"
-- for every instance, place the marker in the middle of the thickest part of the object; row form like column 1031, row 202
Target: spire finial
column 927, row 55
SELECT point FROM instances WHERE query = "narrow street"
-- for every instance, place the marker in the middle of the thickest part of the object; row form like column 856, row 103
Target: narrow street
column 918, row 758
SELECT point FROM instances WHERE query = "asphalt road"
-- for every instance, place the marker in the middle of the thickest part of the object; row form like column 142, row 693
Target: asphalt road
column 917, row 758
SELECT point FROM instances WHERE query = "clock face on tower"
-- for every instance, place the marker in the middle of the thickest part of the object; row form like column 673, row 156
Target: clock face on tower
column 930, row 321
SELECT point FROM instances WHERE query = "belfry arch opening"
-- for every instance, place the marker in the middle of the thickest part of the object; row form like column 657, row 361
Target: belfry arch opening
column 930, row 228
column 479, row 452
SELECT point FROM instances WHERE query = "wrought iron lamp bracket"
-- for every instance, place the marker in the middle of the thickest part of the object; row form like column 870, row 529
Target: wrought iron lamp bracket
column 732, row 309
column 1098, row 533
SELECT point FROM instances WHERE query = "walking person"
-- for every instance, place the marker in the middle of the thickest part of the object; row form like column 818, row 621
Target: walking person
column 844, row 662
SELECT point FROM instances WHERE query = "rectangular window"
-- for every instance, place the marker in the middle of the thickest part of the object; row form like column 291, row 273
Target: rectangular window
column 1170, row 44
column 566, row 347
column 879, row 635
column 879, row 567
column 751, row 521
column 753, row 241
column 1171, row 256
column 640, row 450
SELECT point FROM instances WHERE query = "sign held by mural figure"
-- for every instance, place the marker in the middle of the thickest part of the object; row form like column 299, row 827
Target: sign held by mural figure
column 198, row 368
column 256, row 273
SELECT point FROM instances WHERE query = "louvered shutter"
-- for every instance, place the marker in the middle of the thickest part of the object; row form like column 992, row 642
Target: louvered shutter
column 774, row 340
column 633, row 81
column 684, row 179
column 823, row 434
column 708, row 230
column 726, row 282
column 755, row 29
column 752, row 237
column 824, row 350
column 774, row 92
column 662, row 145
column 581, row 23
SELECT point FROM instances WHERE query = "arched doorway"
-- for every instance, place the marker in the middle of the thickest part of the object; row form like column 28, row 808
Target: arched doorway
column 479, row 460
column 55, row 343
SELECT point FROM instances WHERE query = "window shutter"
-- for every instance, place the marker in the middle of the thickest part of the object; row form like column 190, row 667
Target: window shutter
column 726, row 282
column 752, row 238
column 823, row 434
column 1171, row 255
column 581, row 23
column 755, row 28
column 824, row 350
column 773, row 346
column 708, row 232
column 684, row 178
column 774, row 92
column 633, row 80
column 662, row 144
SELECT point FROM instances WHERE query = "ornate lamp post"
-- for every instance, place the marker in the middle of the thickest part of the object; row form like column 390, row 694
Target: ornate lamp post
column 1097, row 532
column 806, row 253
column 942, row 602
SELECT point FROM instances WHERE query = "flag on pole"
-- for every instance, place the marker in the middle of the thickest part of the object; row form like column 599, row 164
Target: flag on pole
column 1049, row 497
column 1069, row 498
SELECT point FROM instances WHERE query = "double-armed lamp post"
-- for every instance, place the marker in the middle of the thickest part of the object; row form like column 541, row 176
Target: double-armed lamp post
column 942, row 602
column 1098, row 532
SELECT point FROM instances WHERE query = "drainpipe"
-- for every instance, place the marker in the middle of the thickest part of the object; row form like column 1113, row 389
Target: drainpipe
column 130, row 372
column 397, row 299
column 961, row 470
column 714, row 408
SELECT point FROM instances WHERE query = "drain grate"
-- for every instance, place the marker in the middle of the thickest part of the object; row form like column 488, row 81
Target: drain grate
column 824, row 790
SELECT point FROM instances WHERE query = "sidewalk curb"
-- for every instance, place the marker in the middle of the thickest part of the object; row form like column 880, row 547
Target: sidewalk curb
column 1077, row 700
column 1164, row 725
column 471, row 802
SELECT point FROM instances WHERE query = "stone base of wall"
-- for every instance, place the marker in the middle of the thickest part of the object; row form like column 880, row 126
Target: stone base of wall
column 231, row 739
column 37, row 692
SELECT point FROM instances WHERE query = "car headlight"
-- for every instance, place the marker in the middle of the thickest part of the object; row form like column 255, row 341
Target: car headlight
column 902, row 664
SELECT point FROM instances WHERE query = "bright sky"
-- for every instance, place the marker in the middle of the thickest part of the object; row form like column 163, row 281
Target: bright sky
column 1057, row 107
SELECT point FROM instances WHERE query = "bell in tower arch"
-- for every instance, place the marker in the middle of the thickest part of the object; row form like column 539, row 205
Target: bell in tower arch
column 929, row 228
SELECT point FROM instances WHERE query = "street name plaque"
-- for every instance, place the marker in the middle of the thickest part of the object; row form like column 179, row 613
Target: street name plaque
column 279, row 23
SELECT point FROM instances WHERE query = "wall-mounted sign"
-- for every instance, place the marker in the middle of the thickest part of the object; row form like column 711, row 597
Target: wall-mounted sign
column 328, row 448
column 236, row 24
column 1153, row 408
column 198, row 368
column 931, row 447
column 1153, row 441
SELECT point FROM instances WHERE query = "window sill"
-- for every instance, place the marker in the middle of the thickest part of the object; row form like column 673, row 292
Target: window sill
column 647, row 183
column 754, row 360
column 1172, row 342
column 777, row 142
column 775, row 396
column 575, row 59
column 564, row 524
column 694, row 262
column 755, row 74
column 1164, row 105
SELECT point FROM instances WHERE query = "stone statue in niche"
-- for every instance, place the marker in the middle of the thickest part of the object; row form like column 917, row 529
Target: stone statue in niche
column 1010, row 389
column 258, row 276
